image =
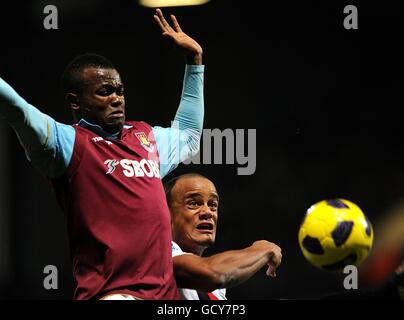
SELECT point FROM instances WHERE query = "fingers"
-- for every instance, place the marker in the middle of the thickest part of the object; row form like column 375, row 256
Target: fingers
column 175, row 23
column 273, row 256
column 273, row 264
column 156, row 18
column 277, row 258
column 271, row 271
column 162, row 22
column 274, row 261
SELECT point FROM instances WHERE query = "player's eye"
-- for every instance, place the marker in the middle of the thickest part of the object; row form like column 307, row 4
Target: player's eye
column 213, row 205
column 104, row 92
column 192, row 203
column 120, row 91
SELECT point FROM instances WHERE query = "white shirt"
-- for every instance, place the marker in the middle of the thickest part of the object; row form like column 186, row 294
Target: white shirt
column 191, row 294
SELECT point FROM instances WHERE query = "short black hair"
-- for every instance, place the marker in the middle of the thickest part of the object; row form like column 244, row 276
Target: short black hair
column 71, row 77
column 169, row 185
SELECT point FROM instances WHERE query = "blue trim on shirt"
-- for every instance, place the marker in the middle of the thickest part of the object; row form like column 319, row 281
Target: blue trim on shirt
column 99, row 130
column 49, row 144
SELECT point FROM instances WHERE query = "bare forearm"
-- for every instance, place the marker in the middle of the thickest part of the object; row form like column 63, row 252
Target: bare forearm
column 226, row 269
column 236, row 266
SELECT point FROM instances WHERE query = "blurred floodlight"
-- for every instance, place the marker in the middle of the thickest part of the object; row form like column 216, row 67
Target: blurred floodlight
column 171, row 3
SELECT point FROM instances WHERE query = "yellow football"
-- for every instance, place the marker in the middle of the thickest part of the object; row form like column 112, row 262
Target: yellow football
column 335, row 233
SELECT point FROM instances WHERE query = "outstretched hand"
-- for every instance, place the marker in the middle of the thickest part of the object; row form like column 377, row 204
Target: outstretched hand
column 191, row 49
column 273, row 256
column 274, row 261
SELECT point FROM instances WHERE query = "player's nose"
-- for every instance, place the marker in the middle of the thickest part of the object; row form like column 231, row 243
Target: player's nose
column 116, row 100
column 205, row 213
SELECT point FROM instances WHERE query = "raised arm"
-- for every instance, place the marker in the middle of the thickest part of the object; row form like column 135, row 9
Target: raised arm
column 190, row 48
column 47, row 144
column 226, row 269
column 23, row 117
column 181, row 141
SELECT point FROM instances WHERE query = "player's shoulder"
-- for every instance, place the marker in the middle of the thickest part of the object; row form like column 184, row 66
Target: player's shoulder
column 175, row 248
column 138, row 124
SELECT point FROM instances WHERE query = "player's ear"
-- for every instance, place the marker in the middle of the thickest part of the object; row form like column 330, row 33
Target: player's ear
column 72, row 101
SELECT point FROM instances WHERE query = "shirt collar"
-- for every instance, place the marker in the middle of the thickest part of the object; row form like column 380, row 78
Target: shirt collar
column 99, row 130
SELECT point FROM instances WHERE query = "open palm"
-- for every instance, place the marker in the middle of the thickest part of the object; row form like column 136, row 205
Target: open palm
column 191, row 49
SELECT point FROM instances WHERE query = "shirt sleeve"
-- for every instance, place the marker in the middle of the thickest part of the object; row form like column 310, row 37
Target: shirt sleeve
column 221, row 293
column 47, row 143
column 176, row 250
column 181, row 141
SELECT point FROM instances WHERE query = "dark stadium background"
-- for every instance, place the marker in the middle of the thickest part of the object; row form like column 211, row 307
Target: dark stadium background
column 325, row 102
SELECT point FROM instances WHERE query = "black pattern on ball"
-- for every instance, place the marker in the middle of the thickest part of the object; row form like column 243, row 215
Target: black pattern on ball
column 337, row 203
column 312, row 245
column 342, row 232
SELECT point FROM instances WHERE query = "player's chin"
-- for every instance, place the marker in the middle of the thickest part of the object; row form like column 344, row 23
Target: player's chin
column 206, row 240
column 115, row 125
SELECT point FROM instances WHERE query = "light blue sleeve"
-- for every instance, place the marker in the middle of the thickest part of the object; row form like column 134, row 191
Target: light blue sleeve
column 47, row 143
column 181, row 141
